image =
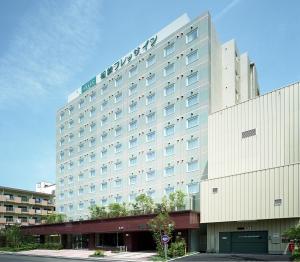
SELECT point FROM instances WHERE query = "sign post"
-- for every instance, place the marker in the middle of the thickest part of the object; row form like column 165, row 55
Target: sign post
column 165, row 239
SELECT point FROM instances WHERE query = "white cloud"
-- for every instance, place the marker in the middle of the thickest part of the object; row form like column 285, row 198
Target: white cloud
column 225, row 10
column 53, row 42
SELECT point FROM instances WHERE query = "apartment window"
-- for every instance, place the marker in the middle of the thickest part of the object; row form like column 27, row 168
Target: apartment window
column 132, row 89
column 71, row 193
column 132, row 125
column 118, row 199
column 133, row 71
column 132, row 142
column 192, row 122
column 61, row 129
column 103, row 152
column 103, row 136
column 61, row 155
column 193, row 188
column 133, row 161
column 71, row 179
column 80, row 161
column 132, row 107
column 151, row 193
column 71, row 207
column 169, row 89
column 81, row 102
column 104, row 186
column 80, row 177
column 150, row 155
column 70, row 151
column 71, row 164
column 118, row 165
column 103, row 89
column 61, row 196
column 104, row 202
column 118, row 114
column 80, row 191
column 118, row 182
column 81, row 146
column 192, row 78
column 61, row 209
column 80, row 205
column 61, row 116
column 71, row 123
column 191, row 57
column 150, row 61
column 169, row 49
column 61, row 168
column 169, row 150
column 169, row 190
column 169, row 109
column 118, row 97
column 150, row 117
column 150, row 98
column 92, row 157
column 61, row 182
column 150, row 80
column 132, row 197
column 104, row 169
column 80, row 119
column 92, row 112
column 103, row 120
column 92, row 142
column 132, row 180
column 150, row 136
column 92, row 96
column 169, row 170
column 193, row 143
column 169, row 130
column 169, row 69
column 150, row 175
column 62, row 141
column 118, row 131
column 104, row 105
column 92, row 127
column 92, row 189
column 71, row 137
column 191, row 36
column 92, row 173
column 193, row 165
column 81, row 132
column 92, row 202
column 192, row 100
column 118, row 148
column 118, row 81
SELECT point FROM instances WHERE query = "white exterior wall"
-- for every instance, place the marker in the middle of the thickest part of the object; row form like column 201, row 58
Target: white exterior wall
column 275, row 116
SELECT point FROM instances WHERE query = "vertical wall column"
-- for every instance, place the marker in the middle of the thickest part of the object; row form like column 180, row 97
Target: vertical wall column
column 92, row 241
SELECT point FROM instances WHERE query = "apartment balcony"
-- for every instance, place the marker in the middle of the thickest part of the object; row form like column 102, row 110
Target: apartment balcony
column 2, row 220
column 31, row 221
column 2, row 198
column 31, row 201
column 2, row 209
column 13, row 199
column 17, row 210
column 45, row 202
column 44, row 212
column 31, row 211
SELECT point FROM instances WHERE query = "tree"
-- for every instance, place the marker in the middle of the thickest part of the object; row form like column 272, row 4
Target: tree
column 144, row 203
column 55, row 218
column 293, row 233
column 98, row 212
column 13, row 236
column 160, row 225
column 176, row 200
column 117, row 210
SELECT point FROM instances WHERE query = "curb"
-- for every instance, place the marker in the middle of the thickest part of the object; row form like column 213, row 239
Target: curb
column 188, row 255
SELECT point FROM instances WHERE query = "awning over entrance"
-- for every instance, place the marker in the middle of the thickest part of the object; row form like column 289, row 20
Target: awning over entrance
column 182, row 219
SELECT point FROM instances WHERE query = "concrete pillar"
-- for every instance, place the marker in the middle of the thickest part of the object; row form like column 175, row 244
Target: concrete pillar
column 128, row 241
column 92, row 241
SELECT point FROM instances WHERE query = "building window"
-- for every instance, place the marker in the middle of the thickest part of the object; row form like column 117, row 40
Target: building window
column 61, row 116
column 150, row 61
column 92, row 157
column 191, row 57
column 151, row 193
column 80, row 119
column 81, row 161
column 192, row 100
column 193, row 165
column 92, row 96
column 169, row 109
column 118, row 182
column 118, row 148
column 103, row 136
column 192, row 78
column 71, row 179
column 70, row 151
column 118, row 81
column 103, row 89
column 150, row 175
column 132, row 197
column 103, row 152
column 150, row 117
column 80, row 191
column 92, row 173
column 118, row 131
column 62, row 142
column 193, row 188
column 169, row 130
column 169, row 190
column 80, row 177
column 118, row 97
column 150, row 80
column 104, row 202
column 169, row 69
column 81, row 103
column 192, row 143
column 132, row 89
column 132, row 161
column 169, row 170
column 169, row 89
column 132, row 107
column 118, row 199
column 92, row 202
column 103, row 120
column 61, row 196
column 150, row 136
column 61, row 155
column 150, row 156
column 92, row 127
column 169, row 150
column 71, row 193
column 150, row 98
column 132, row 125
column 132, row 180
column 133, row 71
column 71, row 207
column 71, row 123
column 104, row 169
column 132, row 142
column 92, row 111
column 118, row 165
column 81, row 206
column 169, row 49
column 61, row 209
column 192, row 122
column 191, row 36
column 61, row 129
column 81, row 132
column 104, row 105
column 92, row 189
column 118, row 114
column 104, row 186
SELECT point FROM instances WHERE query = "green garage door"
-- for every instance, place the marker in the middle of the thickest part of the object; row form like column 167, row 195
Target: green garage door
column 243, row 242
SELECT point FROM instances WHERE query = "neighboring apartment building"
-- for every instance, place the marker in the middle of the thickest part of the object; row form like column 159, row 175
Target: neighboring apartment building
column 141, row 125
column 45, row 187
column 252, row 194
column 18, row 206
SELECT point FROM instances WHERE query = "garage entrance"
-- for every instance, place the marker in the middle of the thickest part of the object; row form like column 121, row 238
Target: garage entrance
column 254, row 242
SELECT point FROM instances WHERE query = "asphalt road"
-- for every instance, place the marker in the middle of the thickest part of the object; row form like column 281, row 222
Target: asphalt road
column 234, row 257
column 19, row 258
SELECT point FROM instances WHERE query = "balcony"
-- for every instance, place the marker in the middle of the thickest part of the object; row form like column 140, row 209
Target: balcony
column 31, row 201
column 2, row 198
column 13, row 199
column 2, row 220
column 31, row 211
column 2, row 209
column 31, row 221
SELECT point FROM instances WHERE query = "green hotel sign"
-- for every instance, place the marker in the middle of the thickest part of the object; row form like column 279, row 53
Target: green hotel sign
column 120, row 63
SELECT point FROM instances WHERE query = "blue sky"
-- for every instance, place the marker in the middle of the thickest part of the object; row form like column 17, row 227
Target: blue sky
column 49, row 48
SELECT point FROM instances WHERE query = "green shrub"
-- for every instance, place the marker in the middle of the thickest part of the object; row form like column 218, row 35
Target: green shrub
column 98, row 253
column 52, row 246
column 177, row 248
